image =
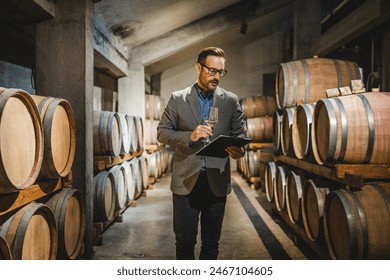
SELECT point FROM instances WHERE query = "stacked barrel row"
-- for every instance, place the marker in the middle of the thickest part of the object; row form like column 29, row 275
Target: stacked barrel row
column 353, row 222
column 299, row 194
column 116, row 134
column 38, row 137
column 346, row 129
column 325, row 131
column 118, row 186
column 157, row 153
column 159, row 163
column 51, row 228
column 258, row 112
column 252, row 165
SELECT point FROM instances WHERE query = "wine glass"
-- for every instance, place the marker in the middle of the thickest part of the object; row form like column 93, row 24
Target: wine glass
column 211, row 121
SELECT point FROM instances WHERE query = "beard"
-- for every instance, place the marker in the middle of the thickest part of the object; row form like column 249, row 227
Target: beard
column 212, row 84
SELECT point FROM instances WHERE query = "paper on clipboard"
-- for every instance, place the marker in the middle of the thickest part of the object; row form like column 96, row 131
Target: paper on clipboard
column 216, row 148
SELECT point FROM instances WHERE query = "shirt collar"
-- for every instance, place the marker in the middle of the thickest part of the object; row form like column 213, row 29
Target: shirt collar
column 201, row 94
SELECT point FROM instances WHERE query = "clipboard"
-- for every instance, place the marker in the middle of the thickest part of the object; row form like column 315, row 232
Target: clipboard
column 216, row 148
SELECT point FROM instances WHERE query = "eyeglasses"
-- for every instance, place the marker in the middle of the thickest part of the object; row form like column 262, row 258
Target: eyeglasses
column 213, row 71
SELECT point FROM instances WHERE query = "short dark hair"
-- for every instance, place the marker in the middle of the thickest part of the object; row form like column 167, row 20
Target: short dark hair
column 210, row 51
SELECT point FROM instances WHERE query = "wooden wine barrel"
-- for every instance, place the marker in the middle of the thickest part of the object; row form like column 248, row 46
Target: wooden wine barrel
column 154, row 106
column 257, row 106
column 153, row 165
column 104, row 197
column 21, row 140
column 133, row 134
column 149, row 106
column 139, row 123
column 269, row 180
column 106, row 133
column 125, row 129
column 68, row 207
column 120, row 186
column 244, row 167
column 59, row 131
column 130, row 181
column 301, row 131
column 357, row 223
column 276, row 132
column 252, row 158
column 306, row 81
column 266, row 155
column 5, row 253
column 260, row 129
column 352, row 129
column 294, row 188
column 137, row 172
column 255, row 158
column 144, row 161
column 164, row 160
column 151, row 132
column 280, row 187
column 286, row 132
column 31, row 233
column 312, row 202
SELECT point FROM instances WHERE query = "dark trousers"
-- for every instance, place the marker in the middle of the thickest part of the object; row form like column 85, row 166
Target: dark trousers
column 186, row 211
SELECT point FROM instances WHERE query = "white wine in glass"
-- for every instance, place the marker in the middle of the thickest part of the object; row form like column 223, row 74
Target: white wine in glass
column 212, row 120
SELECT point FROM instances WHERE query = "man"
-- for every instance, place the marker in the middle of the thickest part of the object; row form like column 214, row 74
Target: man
column 200, row 184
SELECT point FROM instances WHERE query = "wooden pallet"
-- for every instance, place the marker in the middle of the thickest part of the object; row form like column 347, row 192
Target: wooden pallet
column 256, row 146
column 149, row 186
column 153, row 148
column 353, row 175
column 350, row 175
column 254, row 183
column 12, row 201
column 318, row 247
column 152, row 180
column 105, row 162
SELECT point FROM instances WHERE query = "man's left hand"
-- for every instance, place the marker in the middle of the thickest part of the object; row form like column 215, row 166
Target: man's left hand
column 235, row 152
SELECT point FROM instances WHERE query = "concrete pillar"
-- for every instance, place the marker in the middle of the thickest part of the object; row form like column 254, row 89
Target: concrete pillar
column 64, row 68
column 131, row 91
column 307, row 27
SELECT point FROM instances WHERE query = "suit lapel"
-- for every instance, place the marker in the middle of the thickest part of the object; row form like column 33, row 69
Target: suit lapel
column 218, row 98
column 192, row 99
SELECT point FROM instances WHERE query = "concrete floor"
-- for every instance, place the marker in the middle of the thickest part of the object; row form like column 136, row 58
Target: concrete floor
column 249, row 231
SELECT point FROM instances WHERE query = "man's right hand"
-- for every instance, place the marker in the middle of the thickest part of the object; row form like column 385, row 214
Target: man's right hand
column 201, row 131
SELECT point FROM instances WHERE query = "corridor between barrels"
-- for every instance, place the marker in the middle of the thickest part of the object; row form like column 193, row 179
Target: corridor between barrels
column 250, row 229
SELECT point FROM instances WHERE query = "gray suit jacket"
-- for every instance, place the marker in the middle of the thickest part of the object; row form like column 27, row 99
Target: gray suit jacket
column 180, row 118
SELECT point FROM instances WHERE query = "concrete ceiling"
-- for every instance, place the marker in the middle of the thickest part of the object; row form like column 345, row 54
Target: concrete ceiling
column 159, row 32
column 137, row 21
